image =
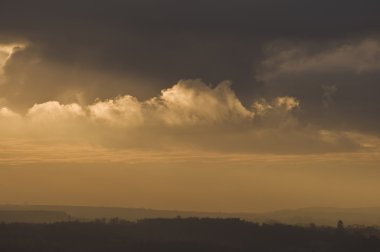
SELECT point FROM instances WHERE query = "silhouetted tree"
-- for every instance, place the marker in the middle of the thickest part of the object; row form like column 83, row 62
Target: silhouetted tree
column 340, row 225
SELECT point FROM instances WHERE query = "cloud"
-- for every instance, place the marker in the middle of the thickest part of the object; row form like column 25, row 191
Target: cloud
column 6, row 113
column 189, row 102
column 138, row 47
column 189, row 115
column 93, row 88
column 5, row 54
column 6, row 51
column 123, row 111
column 358, row 58
column 193, row 102
column 314, row 72
column 327, row 96
column 285, row 103
column 53, row 110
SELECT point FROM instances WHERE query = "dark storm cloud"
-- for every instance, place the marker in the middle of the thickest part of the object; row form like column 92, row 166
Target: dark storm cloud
column 170, row 39
column 338, row 86
column 107, row 48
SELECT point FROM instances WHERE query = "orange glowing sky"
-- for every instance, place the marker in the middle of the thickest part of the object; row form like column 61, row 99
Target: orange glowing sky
column 235, row 108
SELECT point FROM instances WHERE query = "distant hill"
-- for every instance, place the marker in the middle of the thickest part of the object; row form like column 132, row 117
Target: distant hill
column 302, row 216
column 131, row 214
column 324, row 216
column 32, row 216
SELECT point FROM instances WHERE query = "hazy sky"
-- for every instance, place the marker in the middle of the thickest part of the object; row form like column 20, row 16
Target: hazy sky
column 203, row 105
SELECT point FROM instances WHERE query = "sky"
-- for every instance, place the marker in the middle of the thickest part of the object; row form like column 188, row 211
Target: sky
column 190, row 105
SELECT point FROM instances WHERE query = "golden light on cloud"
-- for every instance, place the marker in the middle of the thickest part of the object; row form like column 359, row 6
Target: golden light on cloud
column 188, row 115
column 190, row 133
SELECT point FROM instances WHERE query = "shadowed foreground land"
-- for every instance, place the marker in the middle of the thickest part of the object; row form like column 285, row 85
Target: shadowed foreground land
column 189, row 234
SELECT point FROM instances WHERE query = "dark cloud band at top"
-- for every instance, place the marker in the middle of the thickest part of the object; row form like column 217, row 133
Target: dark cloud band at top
column 143, row 35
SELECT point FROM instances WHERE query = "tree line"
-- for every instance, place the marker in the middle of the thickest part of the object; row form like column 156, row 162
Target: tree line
column 183, row 235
